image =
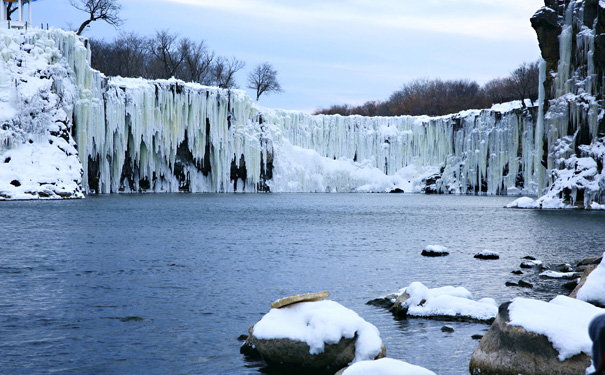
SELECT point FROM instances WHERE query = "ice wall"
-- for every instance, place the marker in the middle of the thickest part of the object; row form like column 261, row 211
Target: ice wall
column 571, row 125
column 135, row 135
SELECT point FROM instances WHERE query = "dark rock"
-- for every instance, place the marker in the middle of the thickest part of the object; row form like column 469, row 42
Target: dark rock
column 384, row 302
column 528, row 257
column 429, row 252
column 529, row 264
column 487, row 256
column 588, row 261
column 15, row 183
column 396, row 191
column 477, row 337
column 517, row 272
column 511, row 350
column 295, row 354
column 430, row 184
column 448, row 329
column 582, row 281
column 510, row 283
column 7, row 160
column 548, row 29
column 571, row 285
column 525, row 284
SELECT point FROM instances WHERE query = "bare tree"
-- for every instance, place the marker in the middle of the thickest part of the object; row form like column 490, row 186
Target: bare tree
column 167, row 57
column 263, row 79
column 106, row 10
column 525, row 81
column 224, row 70
column 197, row 62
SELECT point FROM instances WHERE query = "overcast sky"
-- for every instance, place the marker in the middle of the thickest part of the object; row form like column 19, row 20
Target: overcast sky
column 337, row 51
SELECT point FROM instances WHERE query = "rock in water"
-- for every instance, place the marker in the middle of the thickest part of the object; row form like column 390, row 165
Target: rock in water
column 318, row 336
column 512, row 350
column 435, row 251
column 309, row 297
column 487, row 255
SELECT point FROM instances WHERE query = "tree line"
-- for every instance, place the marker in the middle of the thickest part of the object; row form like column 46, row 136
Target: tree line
column 435, row 97
column 164, row 55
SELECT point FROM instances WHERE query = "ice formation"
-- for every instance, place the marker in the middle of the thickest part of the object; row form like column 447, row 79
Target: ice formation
column 571, row 117
column 135, row 135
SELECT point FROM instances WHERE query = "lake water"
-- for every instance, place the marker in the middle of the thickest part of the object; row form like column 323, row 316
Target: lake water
column 165, row 284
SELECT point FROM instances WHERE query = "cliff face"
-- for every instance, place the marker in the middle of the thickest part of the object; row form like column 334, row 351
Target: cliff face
column 109, row 135
column 571, row 122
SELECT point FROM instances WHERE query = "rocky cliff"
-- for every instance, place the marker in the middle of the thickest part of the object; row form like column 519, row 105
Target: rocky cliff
column 571, row 125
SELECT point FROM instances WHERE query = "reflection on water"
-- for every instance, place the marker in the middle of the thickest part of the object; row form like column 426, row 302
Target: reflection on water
column 162, row 284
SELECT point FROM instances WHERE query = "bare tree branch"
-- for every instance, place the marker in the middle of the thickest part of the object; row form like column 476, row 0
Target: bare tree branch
column 106, row 10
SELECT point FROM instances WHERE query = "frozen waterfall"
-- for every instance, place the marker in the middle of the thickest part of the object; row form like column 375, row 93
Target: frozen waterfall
column 135, row 135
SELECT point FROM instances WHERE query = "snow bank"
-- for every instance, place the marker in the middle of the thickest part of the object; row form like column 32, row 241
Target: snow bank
column 320, row 323
column 593, row 289
column 564, row 321
column 448, row 301
column 385, row 366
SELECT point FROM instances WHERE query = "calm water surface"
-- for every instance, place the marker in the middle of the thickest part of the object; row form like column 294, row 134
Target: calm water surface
column 165, row 284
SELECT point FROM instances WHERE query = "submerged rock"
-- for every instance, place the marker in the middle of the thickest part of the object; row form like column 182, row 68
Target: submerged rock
column 487, row 255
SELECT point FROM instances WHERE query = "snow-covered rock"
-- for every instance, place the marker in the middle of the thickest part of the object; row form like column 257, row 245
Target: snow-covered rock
column 487, row 254
column 560, row 275
column 384, row 366
column 447, row 302
column 593, row 289
column 536, row 337
column 435, row 251
column 320, row 335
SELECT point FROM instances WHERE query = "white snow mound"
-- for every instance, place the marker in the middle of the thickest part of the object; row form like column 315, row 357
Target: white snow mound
column 386, row 366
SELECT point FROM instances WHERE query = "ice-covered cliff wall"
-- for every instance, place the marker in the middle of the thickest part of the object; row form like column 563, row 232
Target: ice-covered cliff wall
column 166, row 135
column 571, row 123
